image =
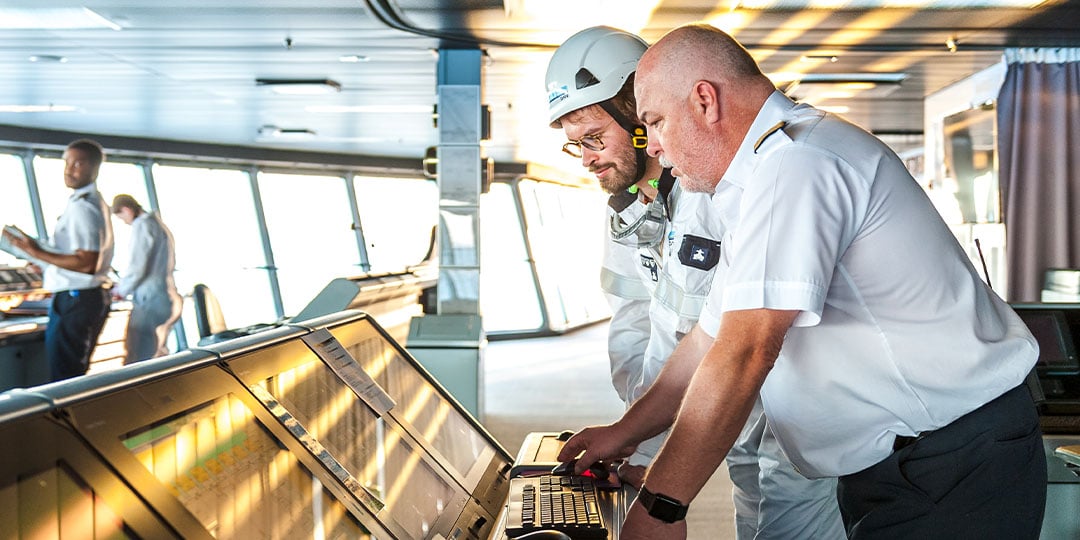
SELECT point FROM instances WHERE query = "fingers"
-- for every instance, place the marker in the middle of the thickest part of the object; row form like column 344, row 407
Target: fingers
column 574, row 446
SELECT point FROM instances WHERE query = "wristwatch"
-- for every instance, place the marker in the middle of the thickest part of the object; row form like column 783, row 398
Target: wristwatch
column 661, row 506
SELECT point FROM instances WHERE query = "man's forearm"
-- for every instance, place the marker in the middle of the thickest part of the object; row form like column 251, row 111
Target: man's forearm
column 718, row 401
column 81, row 261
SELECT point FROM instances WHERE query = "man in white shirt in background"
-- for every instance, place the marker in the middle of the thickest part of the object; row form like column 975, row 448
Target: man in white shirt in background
column 76, row 263
column 148, row 279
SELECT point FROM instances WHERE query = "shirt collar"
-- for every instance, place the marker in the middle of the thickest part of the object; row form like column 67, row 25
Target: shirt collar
column 88, row 189
column 776, row 109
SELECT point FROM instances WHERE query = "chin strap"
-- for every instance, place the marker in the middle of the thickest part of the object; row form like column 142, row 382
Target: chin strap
column 638, row 138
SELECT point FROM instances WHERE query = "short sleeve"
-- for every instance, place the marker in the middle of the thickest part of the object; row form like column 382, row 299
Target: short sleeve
column 797, row 218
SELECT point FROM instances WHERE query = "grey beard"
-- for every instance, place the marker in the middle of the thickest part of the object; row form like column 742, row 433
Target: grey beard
column 665, row 163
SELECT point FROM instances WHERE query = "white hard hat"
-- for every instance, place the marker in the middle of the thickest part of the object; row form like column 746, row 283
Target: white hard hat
column 590, row 67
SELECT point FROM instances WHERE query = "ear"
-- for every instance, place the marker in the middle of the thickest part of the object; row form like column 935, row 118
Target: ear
column 705, row 98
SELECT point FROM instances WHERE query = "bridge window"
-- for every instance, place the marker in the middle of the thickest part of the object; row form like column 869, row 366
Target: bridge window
column 309, row 221
column 15, row 207
column 211, row 213
column 397, row 215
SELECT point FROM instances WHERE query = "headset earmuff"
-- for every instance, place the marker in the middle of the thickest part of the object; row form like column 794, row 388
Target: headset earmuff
column 638, row 138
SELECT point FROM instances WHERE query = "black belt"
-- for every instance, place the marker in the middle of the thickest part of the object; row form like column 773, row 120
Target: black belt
column 903, row 441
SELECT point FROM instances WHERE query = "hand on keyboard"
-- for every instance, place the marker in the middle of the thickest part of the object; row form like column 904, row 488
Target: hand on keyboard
column 596, row 470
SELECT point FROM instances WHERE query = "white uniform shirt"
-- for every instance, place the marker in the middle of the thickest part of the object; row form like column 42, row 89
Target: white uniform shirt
column 628, row 297
column 84, row 225
column 150, row 267
column 690, row 252
column 691, row 249
column 897, row 333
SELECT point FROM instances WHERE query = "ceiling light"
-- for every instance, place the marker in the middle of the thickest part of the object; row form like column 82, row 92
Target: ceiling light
column 835, row 109
column 396, row 109
column 48, row 58
column 950, row 44
column 889, row 78
column 353, row 58
column 36, row 108
column 300, row 86
column 819, row 58
column 53, row 19
column 274, row 132
column 817, row 87
column 834, row 94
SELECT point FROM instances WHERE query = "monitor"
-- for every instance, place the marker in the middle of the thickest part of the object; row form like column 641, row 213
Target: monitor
column 444, row 427
column 53, row 485
column 1057, row 350
column 341, row 415
column 214, row 463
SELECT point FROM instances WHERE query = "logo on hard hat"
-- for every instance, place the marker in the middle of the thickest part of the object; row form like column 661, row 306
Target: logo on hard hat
column 557, row 93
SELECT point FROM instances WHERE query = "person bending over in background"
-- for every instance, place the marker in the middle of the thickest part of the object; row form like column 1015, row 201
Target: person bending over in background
column 148, row 279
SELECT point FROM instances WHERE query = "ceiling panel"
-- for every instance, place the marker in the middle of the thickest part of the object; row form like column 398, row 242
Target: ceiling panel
column 186, row 70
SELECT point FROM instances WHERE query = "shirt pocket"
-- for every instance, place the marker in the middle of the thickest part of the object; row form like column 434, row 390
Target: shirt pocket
column 699, row 252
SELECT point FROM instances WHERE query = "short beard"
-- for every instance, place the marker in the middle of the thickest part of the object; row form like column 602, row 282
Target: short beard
column 622, row 173
column 617, row 182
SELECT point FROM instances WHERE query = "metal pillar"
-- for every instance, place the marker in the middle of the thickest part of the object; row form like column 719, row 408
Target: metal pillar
column 450, row 343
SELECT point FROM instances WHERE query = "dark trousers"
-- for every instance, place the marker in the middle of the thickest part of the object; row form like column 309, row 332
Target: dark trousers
column 75, row 321
column 982, row 476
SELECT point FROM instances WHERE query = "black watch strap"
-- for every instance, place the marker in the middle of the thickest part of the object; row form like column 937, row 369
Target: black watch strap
column 661, row 506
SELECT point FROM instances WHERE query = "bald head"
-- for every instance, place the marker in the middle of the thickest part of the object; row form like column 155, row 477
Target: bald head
column 698, row 91
column 700, row 51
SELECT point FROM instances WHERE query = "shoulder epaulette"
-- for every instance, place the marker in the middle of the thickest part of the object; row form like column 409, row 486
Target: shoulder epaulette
column 776, row 127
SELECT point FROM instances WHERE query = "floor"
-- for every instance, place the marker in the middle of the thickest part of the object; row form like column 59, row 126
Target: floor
column 563, row 382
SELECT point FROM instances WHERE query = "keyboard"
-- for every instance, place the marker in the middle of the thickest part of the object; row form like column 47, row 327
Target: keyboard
column 563, row 503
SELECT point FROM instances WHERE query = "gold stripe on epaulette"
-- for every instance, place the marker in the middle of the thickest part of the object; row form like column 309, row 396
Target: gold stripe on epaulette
column 779, row 125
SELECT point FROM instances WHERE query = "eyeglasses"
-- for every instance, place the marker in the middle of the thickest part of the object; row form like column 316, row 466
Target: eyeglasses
column 591, row 142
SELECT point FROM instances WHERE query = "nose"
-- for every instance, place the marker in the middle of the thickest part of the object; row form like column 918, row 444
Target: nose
column 588, row 157
column 653, row 148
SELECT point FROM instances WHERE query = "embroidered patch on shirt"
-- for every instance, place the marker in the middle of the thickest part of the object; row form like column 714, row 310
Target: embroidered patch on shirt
column 698, row 252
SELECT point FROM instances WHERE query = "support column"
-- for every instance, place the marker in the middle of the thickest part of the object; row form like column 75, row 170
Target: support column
column 450, row 343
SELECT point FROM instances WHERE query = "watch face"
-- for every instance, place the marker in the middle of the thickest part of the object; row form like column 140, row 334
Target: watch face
column 661, row 506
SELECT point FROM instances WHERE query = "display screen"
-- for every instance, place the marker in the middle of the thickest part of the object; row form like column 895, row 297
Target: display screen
column 30, row 506
column 1050, row 329
column 373, row 450
column 421, row 404
column 235, row 478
